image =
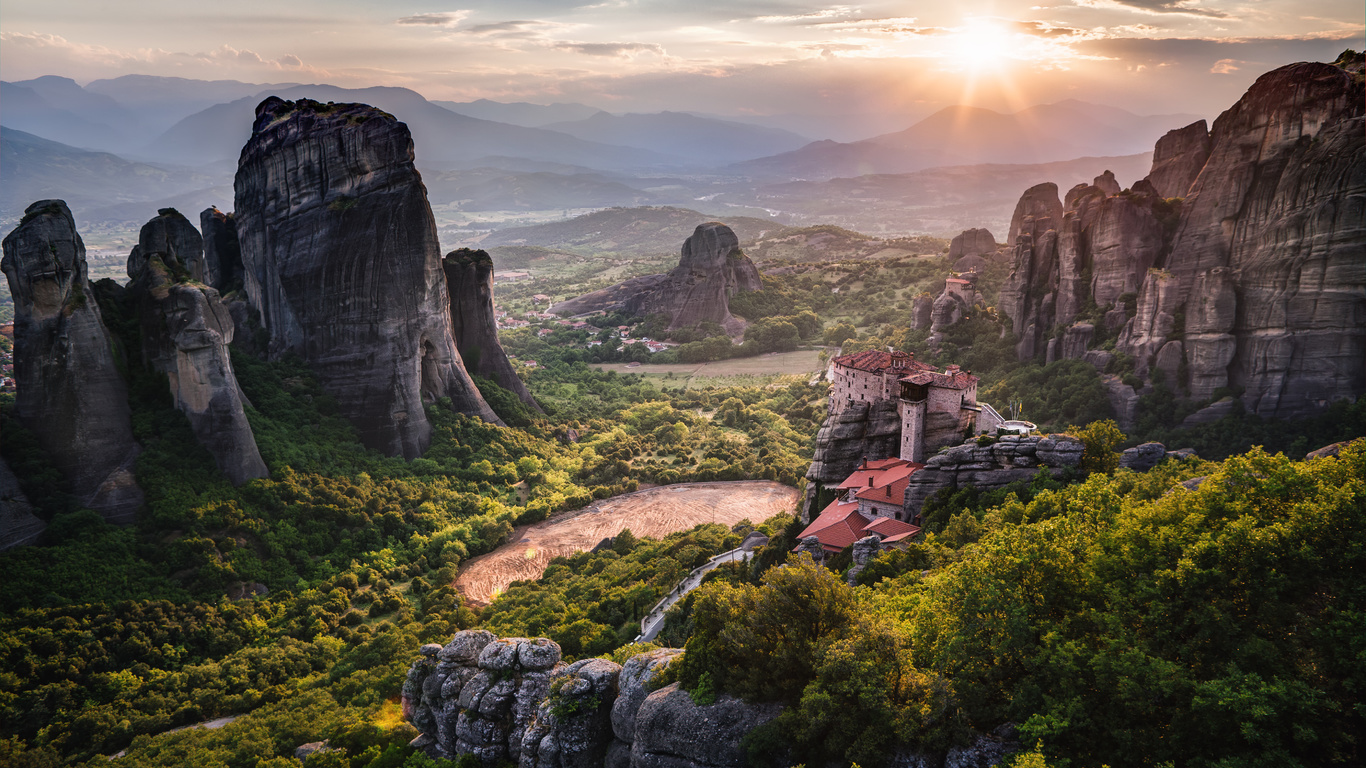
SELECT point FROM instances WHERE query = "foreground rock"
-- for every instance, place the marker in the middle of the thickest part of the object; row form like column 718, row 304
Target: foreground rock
column 186, row 331
column 222, row 252
column 513, row 700
column 342, row 261
column 469, row 277
column 1178, row 158
column 712, row 269
column 69, row 390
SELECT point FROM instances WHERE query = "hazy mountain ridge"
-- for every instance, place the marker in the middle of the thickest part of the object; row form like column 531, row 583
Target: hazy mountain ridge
column 705, row 141
column 972, row 135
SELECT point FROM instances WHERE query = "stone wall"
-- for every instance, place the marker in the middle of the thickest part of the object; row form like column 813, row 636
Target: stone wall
column 1010, row 459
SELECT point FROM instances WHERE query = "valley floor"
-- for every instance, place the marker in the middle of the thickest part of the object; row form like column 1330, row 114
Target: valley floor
column 654, row 512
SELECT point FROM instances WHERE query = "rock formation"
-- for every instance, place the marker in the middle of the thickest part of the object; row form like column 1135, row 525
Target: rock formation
column 18, row 525
column 512, row 700
column 864, row 550
column 186, row 331
column 341, row 259
column 1010, row 459
column 862, row 430
column 69, row 389
column 711, row 270
column 1266, row 267
column 222, row 252
column 967, row 249
column 469, row 277
column 1178, row 158
column 1253, row 284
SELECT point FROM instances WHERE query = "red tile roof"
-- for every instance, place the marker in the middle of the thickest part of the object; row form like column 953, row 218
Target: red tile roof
column 950, row 380
column 890, row 528
column 891, row 486
column 873, row 470
column 877, row 361
column 838, row 526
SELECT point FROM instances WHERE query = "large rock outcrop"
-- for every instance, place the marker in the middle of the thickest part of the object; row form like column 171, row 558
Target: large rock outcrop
column 1267, row 268
column 1255, row 283
column 863, row 430
column 513, row 700
column 712, row 269
column 1010, row 459
column 469, row 277
column 186, row 331
column 1178, row 158
column 341, row 259
column 70, row 392
column 969, row 244
column 18, row 525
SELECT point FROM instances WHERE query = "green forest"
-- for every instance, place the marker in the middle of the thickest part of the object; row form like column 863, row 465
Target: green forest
column 1112, row 617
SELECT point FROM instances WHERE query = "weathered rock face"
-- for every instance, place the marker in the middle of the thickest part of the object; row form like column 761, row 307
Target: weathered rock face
column 18, row 525
column 186, row 331
column 1103, row 248
column 1178, row 158
column 1266, row 266
column 1029, row 294
column 342, row 261
column 972, row 242
column 1106, row 183
column 512, row 700
column 864, row 550
column 987, row 467
column 862, row 430
column 922, row 313
column 573, row 726
column 69, row 390
column 478, row 694
column 673, row 732
column 711, row 270
column 634, row 686
column 222, row 252
column 469, row 277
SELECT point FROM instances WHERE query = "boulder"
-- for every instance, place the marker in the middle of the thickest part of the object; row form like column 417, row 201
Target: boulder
column 69, row 391
column 341, row 260
column 922, row 313
column 673, row 732
column 634, row 687
column 469, row 277
column 573, row 727
column 865, row 549
column 186, row 331
column 1144, row 457
column 1226, row 406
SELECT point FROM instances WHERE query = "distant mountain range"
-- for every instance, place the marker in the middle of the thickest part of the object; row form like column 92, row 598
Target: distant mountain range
column 645, row 230
column 971, row 135
column 520, row 112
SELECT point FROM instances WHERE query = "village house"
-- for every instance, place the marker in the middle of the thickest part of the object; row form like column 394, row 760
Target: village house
column 869, row 502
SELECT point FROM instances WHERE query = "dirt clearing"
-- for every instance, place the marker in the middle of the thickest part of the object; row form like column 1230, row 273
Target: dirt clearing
column 653, row 512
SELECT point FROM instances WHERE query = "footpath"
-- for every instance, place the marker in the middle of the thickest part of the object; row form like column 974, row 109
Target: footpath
column 654, row 620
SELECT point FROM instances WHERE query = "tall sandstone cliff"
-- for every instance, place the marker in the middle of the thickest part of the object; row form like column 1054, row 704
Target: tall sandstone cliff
column 341, row 260
column 1255, row 282
column 469, row 277
column 711, row 269
column 69, row 389
column 186, row 331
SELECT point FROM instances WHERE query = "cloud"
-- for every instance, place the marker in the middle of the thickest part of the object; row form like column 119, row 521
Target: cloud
column 1155, row 7
column 621, row 50
column 1044, row 29
column 806, row 18
column 48, row 53
column 447, row 19
column 519, row 29
column 1225, row 66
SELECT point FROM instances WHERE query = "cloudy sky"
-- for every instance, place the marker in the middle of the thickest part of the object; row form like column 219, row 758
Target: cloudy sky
column 760, row 57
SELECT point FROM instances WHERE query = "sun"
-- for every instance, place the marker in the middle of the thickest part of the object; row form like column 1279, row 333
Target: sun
column 980, row 45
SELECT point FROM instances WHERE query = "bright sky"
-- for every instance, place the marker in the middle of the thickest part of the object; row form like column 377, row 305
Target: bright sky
column 719, row 56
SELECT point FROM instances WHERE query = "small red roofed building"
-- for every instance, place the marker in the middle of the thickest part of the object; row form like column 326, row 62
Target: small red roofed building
column 869, row 502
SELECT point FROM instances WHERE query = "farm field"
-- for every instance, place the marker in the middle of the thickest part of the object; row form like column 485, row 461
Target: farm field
column 744, row 371
column 653, row 512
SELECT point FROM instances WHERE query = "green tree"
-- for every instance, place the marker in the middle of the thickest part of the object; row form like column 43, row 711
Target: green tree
column 1100, row 438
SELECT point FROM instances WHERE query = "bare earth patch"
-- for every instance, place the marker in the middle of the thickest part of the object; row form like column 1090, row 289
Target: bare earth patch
column 654, row 512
